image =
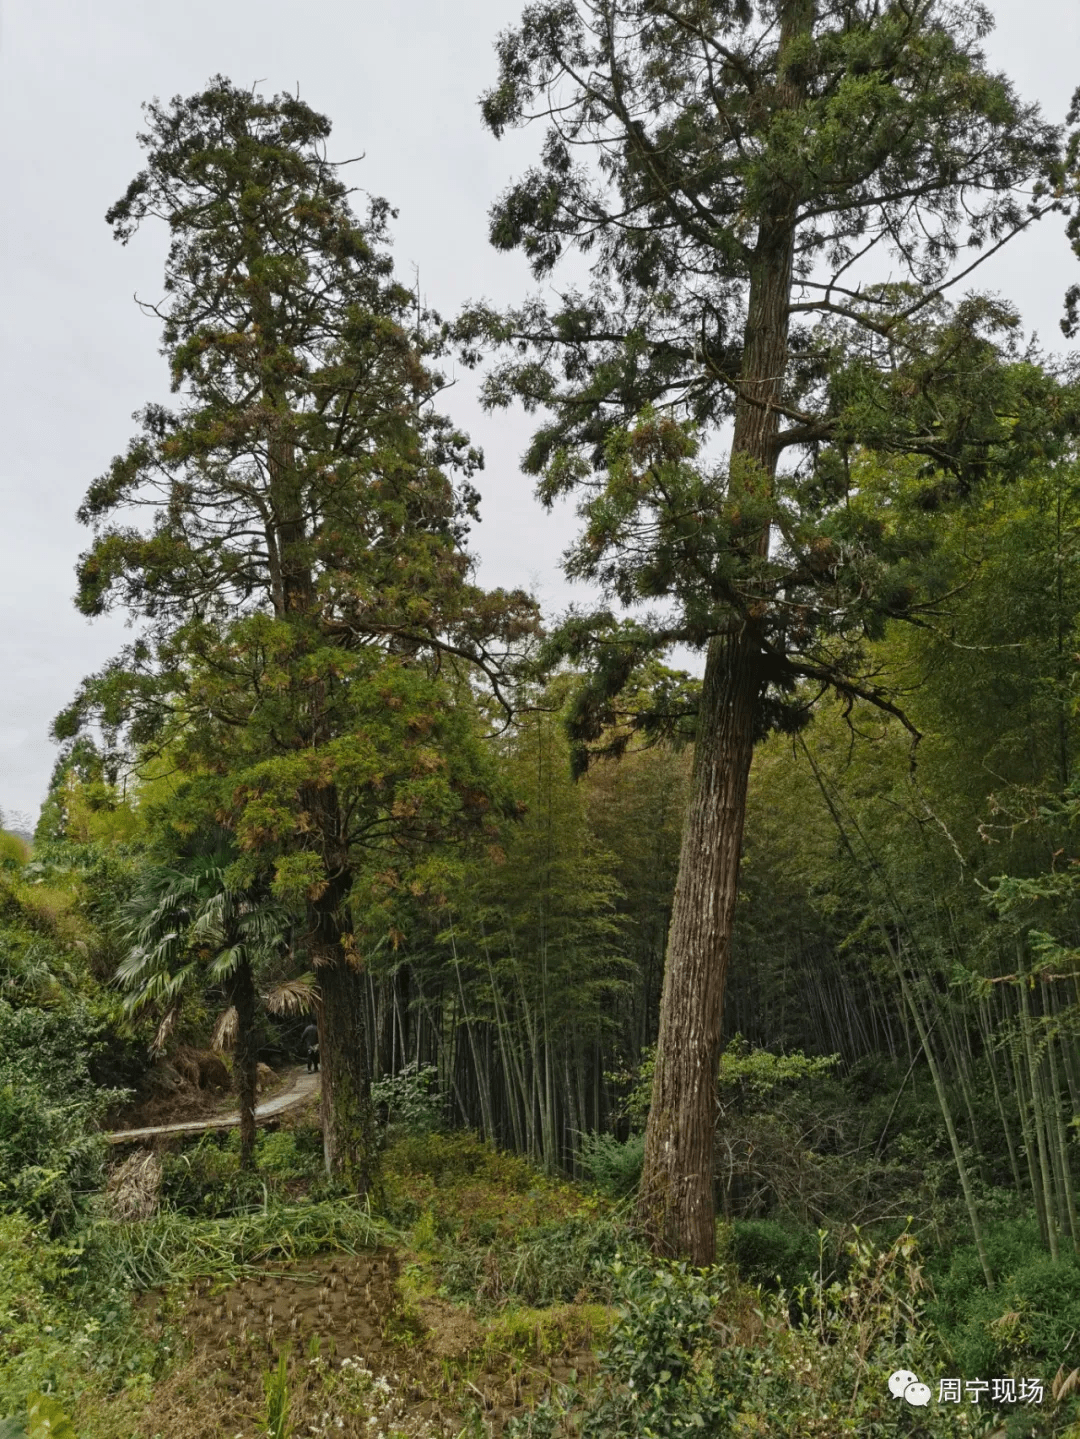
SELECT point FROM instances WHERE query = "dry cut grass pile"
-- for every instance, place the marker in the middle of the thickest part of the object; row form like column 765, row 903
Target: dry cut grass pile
column 133, row 1187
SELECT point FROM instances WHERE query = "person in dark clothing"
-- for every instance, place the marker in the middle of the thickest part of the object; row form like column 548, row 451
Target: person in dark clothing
column 310, row 1042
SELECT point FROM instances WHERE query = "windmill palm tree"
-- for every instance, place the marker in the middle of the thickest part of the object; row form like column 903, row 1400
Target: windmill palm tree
column 189, row 924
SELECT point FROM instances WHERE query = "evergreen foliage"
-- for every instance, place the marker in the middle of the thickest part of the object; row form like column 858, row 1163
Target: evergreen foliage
column 301, row 581
column 320, row 777
column 733, row 173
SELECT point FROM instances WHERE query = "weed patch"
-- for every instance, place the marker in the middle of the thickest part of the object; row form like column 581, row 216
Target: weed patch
column 554, row 1263
column 204, row 1178
column 171, row 1248
column 473, row 1190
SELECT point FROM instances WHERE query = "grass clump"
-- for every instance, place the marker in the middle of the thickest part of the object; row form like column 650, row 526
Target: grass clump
column 276, row 1387
column 173, row 1248
column 555, row 1263
column 539, row 1334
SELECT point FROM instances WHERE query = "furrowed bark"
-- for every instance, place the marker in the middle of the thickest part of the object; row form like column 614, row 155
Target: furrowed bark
column 676, row 1202
column 676, row 1205
column 348, row 1118
column 346, row 1111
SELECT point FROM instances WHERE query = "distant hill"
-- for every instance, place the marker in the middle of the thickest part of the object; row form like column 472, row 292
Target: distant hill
column 14, row 822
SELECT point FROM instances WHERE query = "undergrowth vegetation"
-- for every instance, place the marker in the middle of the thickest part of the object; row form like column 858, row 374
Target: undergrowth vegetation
column 793, row 1333
column 51, row 1158
column 693, row 1352
column 206, row 1178
column 523, row 1299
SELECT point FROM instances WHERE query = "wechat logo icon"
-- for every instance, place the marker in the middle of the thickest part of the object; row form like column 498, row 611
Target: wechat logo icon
column 905, row 1385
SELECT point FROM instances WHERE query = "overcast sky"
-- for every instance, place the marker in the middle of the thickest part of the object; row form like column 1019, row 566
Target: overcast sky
column 400, row 82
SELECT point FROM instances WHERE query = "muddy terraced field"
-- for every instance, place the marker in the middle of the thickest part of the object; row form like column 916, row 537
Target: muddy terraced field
column 359, row 1363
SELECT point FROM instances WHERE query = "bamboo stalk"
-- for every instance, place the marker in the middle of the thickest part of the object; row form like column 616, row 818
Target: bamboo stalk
column 1037, row 1104
column 1067, row 1194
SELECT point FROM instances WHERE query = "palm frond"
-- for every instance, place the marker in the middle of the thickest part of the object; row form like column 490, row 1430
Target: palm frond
column 228, row 961
column 224, row 1036
column 293, row 996
column 158, row 987
column 168, row 1019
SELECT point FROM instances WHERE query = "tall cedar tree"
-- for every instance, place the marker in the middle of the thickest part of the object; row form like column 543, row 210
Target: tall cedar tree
column 299, row 571
column 733, row 171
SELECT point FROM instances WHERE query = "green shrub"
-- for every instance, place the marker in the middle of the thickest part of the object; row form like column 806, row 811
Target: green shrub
column 67, row 1326
column 662, row 1374
column 771, row 1254
column 670, row 1376
column 1031, row 1318
column 693, row 1354
column 410, row 1098
column 614, row 1166
column 206, row 1179
column 287, row 1153
column 51, row 1154
column 34, row 1322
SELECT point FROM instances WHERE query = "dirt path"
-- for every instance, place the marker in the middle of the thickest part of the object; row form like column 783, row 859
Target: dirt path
column 302, row 1086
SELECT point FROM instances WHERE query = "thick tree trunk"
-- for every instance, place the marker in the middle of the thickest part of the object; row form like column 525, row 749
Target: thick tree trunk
column 348, row 1119
column 245, row 1063
column 676, row 1204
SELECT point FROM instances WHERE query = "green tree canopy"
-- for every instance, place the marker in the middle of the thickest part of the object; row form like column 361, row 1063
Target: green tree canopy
column 774, row 200
column 290, row 536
